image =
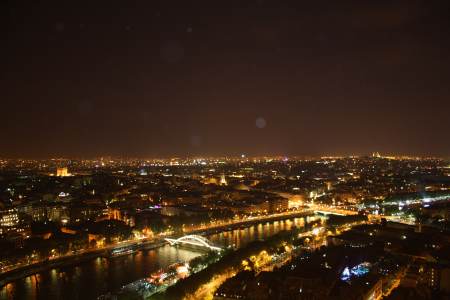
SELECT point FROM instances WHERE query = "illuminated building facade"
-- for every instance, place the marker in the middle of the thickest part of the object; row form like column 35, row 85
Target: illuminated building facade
column 58, row 214
column 223, row 181
column 9, row 221
column 62, row 172
column 9, row 218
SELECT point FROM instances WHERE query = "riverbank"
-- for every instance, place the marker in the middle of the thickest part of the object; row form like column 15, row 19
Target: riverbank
column 67, row 261
column 71, row 260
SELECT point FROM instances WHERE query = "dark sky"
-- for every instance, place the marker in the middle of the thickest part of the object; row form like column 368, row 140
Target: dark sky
column 160, row 78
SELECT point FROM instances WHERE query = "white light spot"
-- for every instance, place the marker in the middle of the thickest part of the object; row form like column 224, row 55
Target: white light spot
column 260, row 123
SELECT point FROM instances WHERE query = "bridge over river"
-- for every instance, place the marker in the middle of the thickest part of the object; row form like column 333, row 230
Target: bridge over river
column 194, row 240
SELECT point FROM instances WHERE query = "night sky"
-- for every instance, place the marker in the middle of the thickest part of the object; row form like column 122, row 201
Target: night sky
column 163, row 78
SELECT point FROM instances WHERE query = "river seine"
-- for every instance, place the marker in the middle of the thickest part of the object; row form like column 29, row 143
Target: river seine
column 92, row 278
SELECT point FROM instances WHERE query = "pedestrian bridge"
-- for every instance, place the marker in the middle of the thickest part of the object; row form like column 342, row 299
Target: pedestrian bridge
column 339, row 212
column 193, row 240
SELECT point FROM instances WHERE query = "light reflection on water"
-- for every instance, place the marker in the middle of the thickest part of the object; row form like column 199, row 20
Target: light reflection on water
column 241, row 237
column 98, row 276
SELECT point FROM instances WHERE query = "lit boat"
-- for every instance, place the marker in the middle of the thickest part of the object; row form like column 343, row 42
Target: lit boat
column 121, row 251
column 155, row 283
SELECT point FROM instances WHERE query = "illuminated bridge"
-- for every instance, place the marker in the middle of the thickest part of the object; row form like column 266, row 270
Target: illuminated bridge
column 334, row 211
column 193, row 240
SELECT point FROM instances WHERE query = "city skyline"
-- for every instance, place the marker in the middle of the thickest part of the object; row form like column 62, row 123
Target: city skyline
column 132, row 228
column 241, row 157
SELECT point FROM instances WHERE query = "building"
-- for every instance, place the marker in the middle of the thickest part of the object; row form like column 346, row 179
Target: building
column 9, row 221
column 249, row 207
column 81, row 213
column 124, row 215
column 62, row 172
column 114, row 213
column 223, row 181
column 59, row 214
column 39, row 213
column 9, row 218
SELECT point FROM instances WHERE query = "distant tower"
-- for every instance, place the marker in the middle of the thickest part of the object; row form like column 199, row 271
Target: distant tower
column 376, row 155
column 418, row 227
column 62, row 172
column 223, row 181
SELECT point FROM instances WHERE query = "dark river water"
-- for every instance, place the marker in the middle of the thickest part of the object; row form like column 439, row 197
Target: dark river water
column 92, row 278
